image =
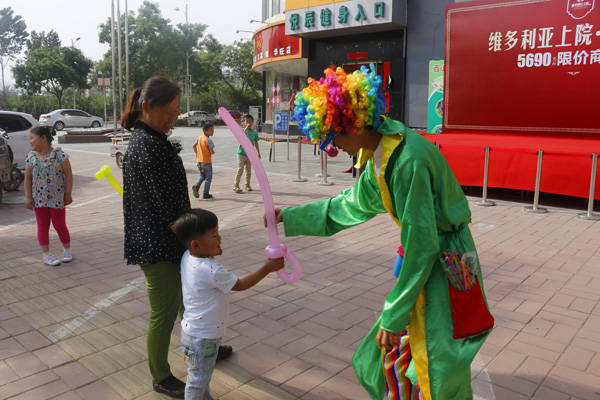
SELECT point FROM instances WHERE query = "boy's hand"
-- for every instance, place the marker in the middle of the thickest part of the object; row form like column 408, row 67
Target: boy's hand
column 274, row 264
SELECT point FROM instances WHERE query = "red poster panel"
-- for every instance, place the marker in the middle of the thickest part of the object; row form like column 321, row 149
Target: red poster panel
column 272, row 44
column 523, row 65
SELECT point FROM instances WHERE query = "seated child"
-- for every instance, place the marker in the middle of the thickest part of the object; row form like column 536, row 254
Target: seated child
column 205, row 287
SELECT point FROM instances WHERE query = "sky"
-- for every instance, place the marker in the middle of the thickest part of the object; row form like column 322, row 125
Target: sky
column 80, row 18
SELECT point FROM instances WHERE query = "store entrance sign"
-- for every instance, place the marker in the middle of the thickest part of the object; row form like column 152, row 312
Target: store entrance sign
column 282, row 121
column 374, row 14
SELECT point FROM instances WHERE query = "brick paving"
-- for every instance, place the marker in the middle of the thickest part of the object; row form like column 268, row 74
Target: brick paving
column 78, row 331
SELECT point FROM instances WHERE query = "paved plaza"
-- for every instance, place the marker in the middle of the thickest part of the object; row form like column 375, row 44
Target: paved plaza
column 77, row 331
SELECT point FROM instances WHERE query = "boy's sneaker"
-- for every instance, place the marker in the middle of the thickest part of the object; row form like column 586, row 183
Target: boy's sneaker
column 67, row 256
column 50, row 259
column 224, row 352
column 170, row 386
column 195, row 191
column 207, row 196
column 237, row 190
column 248, row 188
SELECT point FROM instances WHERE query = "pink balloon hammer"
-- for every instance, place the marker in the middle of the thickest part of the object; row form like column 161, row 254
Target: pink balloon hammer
column 275, row 249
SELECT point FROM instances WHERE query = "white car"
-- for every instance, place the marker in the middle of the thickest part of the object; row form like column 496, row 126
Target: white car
column 70, row 118
column 17, row 126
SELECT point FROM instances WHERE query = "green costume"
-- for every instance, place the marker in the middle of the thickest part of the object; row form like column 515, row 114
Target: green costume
column 418, row 189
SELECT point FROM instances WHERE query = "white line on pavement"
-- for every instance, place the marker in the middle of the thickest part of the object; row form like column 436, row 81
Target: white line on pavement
column 7, row 227
column 90, row 202
column 75, row 323
column 486, row 392
column 87, row 151
column 234, row 217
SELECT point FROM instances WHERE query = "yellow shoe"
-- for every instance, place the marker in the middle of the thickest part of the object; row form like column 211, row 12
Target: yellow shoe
column 248, row 188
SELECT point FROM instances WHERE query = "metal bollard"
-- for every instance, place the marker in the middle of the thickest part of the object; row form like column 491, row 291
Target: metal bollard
column 273, row 144
column 300, row 178
column 323, row 181
column 288, row 144
column 590, row 214
column 536, row 195
column 484, row 200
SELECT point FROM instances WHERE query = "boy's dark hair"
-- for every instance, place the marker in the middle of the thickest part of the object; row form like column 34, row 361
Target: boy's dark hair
column 206, row 125
column 248, row 116
column 44, row 131
column 193, row 223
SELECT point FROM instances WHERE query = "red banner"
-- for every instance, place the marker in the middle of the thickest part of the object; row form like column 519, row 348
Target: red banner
column 271, row 44
column 523, row 65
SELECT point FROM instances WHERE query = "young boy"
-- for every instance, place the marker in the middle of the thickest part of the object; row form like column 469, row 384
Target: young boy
column 242, row 158
column 205, row 287
column 204, row 149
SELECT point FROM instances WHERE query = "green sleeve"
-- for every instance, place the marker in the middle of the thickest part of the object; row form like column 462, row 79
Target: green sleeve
column 351, row 207
column 414, row 205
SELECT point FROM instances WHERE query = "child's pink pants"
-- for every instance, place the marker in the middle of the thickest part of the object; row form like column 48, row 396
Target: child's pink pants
column 43, row 216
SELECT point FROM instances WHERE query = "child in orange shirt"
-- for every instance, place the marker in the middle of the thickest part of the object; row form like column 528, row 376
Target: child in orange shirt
column 204, row 149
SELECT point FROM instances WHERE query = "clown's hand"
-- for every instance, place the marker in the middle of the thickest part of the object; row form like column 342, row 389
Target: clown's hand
column 278, row 217
column 387, row 340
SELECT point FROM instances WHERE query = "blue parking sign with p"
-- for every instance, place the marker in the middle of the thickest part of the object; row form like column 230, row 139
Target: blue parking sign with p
column 282, row 121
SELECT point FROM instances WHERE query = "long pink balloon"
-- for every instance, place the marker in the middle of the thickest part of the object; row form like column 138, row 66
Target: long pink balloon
column 275, row 249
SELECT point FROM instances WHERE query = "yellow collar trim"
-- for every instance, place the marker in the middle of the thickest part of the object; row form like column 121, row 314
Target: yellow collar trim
column 388, row 145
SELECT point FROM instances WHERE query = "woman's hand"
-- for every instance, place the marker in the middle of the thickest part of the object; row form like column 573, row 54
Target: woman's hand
column 278, row 217
column 387, row 340
column 29, row 203
column 68, row 199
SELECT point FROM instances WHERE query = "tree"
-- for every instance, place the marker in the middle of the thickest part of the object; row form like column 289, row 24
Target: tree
column 155, row 46
column 43, row 40
column 12, row 38
column 54, row 68
column 243, row 83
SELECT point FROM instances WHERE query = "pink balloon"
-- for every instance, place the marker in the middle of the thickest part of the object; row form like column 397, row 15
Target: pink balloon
column 275, row 249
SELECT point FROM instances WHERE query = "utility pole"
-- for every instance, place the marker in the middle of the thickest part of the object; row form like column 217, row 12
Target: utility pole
column 126, row 51
column 104, row 94
column 120, row 57
column 188, row 79
column 112, row 47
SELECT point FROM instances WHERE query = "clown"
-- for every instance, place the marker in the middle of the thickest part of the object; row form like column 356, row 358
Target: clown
column 416, row 349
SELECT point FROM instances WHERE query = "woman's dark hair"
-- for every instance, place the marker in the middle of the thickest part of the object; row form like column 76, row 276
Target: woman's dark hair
column 44, row 131
column 193, row 223
column 156, row 91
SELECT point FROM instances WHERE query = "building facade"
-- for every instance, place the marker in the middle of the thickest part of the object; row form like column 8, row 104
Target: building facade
column 399, row 37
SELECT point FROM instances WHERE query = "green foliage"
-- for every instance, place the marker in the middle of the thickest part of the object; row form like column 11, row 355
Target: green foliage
column 12, row 38
column 53, row 68
column 221, row 75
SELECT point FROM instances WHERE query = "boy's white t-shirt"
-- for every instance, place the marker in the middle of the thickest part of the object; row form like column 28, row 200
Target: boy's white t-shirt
column 205, row 285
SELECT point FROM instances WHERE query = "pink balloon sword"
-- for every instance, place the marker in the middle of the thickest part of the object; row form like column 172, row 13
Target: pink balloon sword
column 275, row 249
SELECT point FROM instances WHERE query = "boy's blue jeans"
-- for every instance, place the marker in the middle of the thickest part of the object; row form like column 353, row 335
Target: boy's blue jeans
column 205, row 175
column 201, row 356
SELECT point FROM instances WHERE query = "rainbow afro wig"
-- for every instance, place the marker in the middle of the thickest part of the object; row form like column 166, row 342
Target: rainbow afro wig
column 339, row 103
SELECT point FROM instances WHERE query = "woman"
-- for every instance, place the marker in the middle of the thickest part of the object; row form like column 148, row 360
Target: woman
column 412, row 350
column 154, row 195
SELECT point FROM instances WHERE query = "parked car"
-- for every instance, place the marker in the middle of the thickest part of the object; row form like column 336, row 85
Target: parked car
column 4, row 162
column 118, row 148
column 199, row 117
column 17, row 126
column 70, row 118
